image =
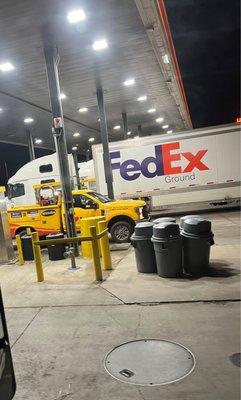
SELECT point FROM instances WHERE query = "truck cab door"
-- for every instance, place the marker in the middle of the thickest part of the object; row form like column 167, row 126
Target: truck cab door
column 84, row 207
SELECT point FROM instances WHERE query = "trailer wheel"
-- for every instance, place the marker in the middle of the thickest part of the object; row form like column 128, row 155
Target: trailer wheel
column 121, row 231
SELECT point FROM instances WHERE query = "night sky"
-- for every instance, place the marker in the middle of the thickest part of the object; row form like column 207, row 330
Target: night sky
column 206, row 38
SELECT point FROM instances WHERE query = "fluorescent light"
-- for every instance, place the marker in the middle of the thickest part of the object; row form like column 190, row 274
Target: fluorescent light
column 165, row 126
column 83, row 109
column 75, row 16
column 98, row 119
column 76, row 134
column 129, row 133
column 129, row 82
column 74, row 148
column 28, row 120
column 91, row 139
column 160, row 119
column 62, row 96
column 117, row 127
column 152, row 110
column 165, row 59
column 136, row 137
column 5, row 67
column 170, row 131
column 38, row 141
column 99, row 45
column 142, row 98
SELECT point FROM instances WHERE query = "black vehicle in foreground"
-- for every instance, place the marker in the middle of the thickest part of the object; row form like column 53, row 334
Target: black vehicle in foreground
column 7, row 378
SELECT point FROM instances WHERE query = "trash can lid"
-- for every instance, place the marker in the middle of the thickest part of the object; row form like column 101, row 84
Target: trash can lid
column 55, row 236
column 182, row 219
column 165, row 230
column 164, row 219
column 197, row 226
column 144, row 229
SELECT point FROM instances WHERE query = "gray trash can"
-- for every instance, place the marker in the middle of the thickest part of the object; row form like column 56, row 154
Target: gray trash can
column 182, row 219
column 56, row 251
column 168, row 249
column 144, row 251
column 164, row 219
column 197, row 240
column 27, row 247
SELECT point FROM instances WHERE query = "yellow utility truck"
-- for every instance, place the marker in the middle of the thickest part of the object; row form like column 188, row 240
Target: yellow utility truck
column 48, row 215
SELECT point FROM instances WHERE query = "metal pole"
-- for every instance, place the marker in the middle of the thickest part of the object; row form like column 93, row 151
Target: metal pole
column 139, row 130
column 30, row 144
column 76, row 169
column 105, row 143
column 51, row 59
column 125, row 124
column 87, row 155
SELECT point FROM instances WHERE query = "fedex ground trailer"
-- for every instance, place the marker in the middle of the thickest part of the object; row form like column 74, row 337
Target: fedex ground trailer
column 189, row 170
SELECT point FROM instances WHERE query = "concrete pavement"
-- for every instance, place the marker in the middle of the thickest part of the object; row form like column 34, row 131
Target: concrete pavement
column 62, row 329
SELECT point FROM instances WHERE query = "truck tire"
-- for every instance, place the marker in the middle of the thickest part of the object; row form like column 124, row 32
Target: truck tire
column 121, row 231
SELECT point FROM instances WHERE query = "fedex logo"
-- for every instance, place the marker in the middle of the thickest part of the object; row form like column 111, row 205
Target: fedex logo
column 165, row 155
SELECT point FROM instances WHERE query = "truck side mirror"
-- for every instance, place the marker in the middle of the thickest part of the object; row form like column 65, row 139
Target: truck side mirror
column 7, row 378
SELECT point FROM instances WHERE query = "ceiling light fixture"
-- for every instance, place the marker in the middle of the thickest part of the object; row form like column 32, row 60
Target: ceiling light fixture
column 62, row 96
column 28, row 120
column 38, row 141
column 75, row 16
column 165, row 126
column 170, row 131
column 5, row 67
column 129, row 133
column 83, row 109
column 74, row 148
column 91, row 139
column 151, row 110
column 1, row 109
column 142, row 98
column 165, row 59
column 76, row 134
column 100, row 45
column 160, row 119
column 98, row 119
column 129, row 82
column 117, row 127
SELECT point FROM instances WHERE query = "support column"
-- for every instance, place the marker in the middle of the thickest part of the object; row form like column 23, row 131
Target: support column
column 139, row 130
column 76, row 169
column 51, row 57
column 125, row 124
column 87, row 155
column 30, row 144
column 105, row 143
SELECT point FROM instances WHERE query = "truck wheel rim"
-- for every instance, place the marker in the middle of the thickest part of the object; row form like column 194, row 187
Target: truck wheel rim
column 122, row 232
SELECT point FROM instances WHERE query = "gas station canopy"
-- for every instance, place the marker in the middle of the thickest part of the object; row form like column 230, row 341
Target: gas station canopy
column 124, row 46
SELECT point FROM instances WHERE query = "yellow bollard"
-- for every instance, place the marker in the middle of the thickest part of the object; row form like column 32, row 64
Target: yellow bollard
column 37, row 258
column 105, row 247
column 96, row 254
column 85, row 225
column 19, row 250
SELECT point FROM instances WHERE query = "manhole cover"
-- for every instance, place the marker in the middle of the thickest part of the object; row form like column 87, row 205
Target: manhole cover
column 149, row 362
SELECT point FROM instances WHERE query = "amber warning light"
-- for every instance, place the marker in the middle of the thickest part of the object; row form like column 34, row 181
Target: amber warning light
column 238, row 120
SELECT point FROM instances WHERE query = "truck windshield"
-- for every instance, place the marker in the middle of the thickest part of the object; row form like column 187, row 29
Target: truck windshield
column 16, row 190
column 100, row 197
